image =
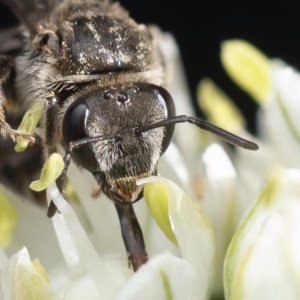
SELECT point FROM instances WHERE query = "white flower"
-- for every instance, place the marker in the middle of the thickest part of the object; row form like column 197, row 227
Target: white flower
column 87, row 275
column 278, row 118
column 82, row 250
column 262, row 261
column 30, row 281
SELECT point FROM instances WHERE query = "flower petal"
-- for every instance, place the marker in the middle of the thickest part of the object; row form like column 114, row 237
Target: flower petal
column 278, row 120
column 41, row 270
column 252, row 169
column 164, row 277
column 193, row 233
column 100, row 213
column 186, row 137
column 82, row 288
column 80, row 246
column 156, row 195
column 262, row 260
column 32, row 219
column 220, row 204
column 22, row 280
column 173, row 166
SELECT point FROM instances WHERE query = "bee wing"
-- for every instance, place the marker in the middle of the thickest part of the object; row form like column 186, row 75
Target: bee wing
column 32, row 12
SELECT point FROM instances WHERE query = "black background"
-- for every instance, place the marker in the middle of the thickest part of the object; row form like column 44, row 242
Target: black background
column 200, row 27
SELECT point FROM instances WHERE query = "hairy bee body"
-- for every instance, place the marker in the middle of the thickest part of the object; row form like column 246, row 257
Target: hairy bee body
column 101, row 79
column 75, row 49
column 97, row 73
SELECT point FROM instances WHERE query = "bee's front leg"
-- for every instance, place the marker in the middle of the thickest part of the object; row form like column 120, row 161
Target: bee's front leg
column 52, row 138
column 6, row 67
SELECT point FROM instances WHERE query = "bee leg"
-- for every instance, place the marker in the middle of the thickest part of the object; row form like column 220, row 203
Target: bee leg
column 52, row 209
column 52, row 138
column 60, row 181
column 6, row 67
column 132, row 236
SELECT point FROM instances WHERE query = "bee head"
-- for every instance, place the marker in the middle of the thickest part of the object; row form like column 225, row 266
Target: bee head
column 118, row 111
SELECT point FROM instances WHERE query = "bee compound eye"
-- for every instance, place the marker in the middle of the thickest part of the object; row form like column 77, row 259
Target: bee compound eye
column 73, row 129
column 167, row 102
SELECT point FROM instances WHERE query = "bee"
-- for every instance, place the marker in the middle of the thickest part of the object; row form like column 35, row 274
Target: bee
column 100, row 77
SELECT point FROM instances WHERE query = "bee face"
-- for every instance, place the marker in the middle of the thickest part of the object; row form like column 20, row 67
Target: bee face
column 118, row 111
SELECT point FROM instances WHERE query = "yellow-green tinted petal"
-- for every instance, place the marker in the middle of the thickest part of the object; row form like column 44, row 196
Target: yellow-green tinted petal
column 248, row 67
column 8, row 220
column 193, row 233
column 41, row 270
column 166, row 284
column 22, row 281
column 50, row 172
column 218, row 107
column 156, row 195
column 28, row 125
column 241, row 246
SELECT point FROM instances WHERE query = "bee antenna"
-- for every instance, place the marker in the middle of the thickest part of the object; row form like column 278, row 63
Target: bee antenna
column 223, row 134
